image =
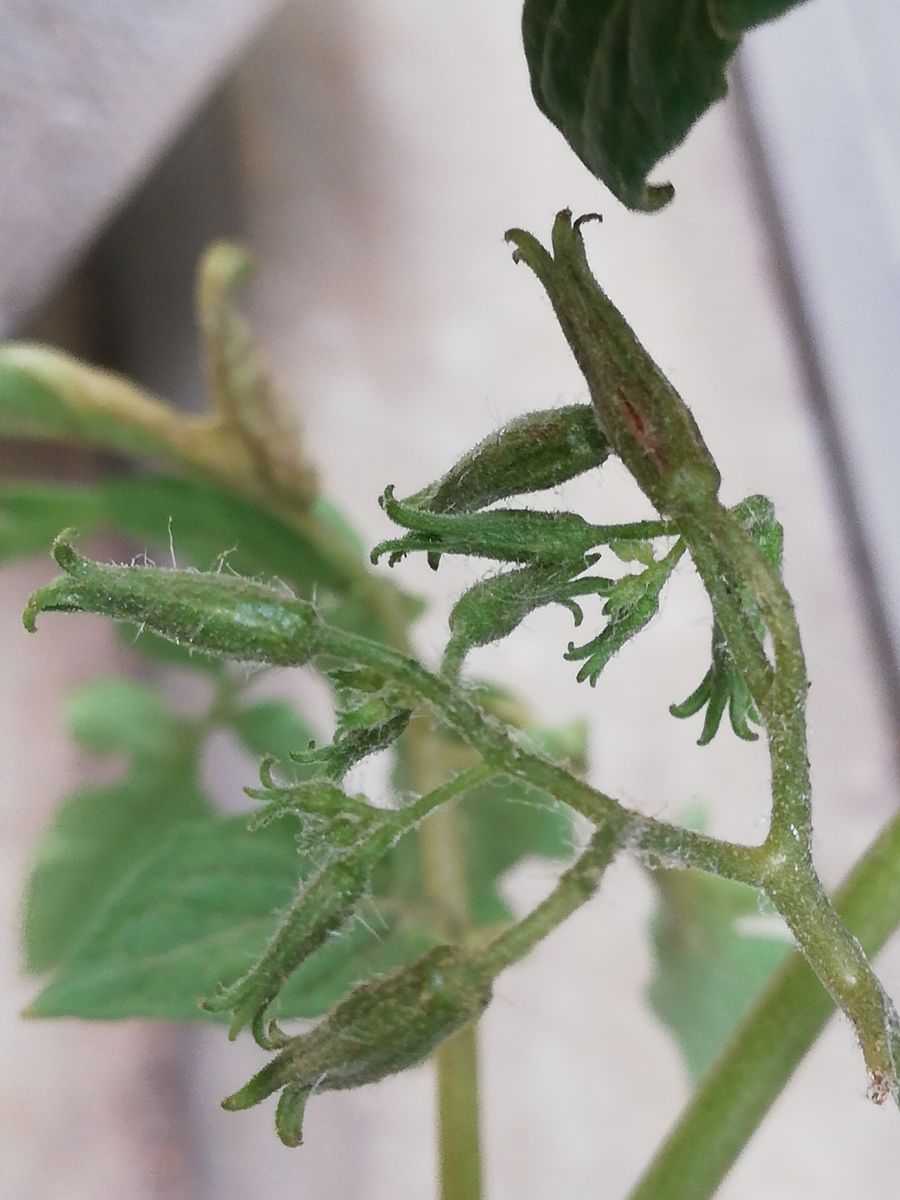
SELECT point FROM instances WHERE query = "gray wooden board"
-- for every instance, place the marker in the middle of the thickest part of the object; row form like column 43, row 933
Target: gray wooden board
column 824, row 88
column 90, row 93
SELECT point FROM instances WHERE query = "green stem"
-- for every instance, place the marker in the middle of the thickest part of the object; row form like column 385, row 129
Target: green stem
column 771, row 1042
column 459, row 1141
column 573, row 889
column 843, row 970
column 429, row 803
column 727, row 558
column 659, row 841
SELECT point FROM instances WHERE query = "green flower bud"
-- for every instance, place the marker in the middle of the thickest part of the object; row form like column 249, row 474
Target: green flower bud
column 506, row 534
column 218, row 614
column 384, row 1026
column 327, row 815
column 321, row 907
column 633, row 602
column 530, row 454
column 357, row 836
column 493, row 608
column 371, row 723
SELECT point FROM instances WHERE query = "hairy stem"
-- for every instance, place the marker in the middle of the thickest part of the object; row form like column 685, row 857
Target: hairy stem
column 573, row 889
column 726, row 557
column 664, row 843
column 771, row 1042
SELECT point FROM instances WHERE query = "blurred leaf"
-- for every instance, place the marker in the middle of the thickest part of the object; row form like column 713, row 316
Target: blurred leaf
column 101, row 833
column 47, row 394
column 503, row 822
column 242, row 388
column 707, row 970
column 203, row 525
column 271, row 727
column 202, row 910
column 565, row 744
column 624, row 80
column 32, row 514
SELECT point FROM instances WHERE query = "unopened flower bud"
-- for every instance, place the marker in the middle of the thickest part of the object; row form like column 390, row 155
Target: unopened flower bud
column 384, row 1026
column 217, row 614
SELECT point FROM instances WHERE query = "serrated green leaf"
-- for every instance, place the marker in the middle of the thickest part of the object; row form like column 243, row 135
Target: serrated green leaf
column 707, row 971
column 624, row 80
column 100, row 834
column 202, row 910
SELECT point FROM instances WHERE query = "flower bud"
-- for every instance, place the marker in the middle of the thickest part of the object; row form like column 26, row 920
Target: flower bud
column 384, row 1026
column 218, row 614
column 530, row 454
column 493, row 608
column 646, row 422
column 516, row 535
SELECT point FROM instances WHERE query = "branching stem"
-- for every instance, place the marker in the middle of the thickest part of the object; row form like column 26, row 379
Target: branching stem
column 771, row 1042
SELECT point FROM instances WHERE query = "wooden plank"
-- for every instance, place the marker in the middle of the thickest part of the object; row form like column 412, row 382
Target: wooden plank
column 90, row 95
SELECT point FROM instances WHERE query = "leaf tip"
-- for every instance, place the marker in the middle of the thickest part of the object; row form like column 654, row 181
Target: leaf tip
column 653, row 197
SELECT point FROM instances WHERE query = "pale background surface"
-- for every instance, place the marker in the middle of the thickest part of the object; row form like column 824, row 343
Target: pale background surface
column 382, row 152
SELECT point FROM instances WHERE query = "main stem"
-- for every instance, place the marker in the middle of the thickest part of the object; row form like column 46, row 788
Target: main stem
column 456, row 1061
column 771, row 1042
column 459, row 1137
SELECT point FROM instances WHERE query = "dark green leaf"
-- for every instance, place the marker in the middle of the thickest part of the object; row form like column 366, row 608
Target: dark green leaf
column 100, row 834
column 707, row 970
column 624, row 80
